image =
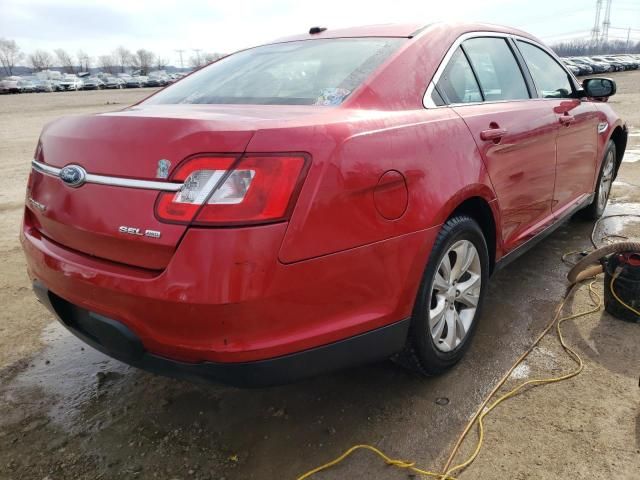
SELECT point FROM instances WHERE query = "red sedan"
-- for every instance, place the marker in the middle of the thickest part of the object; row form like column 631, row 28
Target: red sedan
column 320, row 201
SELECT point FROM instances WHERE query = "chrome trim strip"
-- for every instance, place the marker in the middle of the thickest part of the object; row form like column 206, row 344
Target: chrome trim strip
column 46, row 169
column 112, row 181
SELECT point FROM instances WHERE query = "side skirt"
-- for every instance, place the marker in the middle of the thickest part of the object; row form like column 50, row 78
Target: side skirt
column 532, row 242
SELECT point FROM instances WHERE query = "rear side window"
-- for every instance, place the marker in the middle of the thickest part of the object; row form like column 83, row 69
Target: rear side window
column 457, row 82
column 496, row 68
column 310, row 72
column 552, row 81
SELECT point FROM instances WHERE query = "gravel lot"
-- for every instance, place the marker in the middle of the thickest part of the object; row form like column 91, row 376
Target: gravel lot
column 70, row 412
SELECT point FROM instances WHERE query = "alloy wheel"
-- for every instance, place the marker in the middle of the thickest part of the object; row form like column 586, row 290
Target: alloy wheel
column 606, row 180
column 455, row 295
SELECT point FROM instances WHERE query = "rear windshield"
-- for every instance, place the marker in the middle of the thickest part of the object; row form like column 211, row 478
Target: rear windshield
column 311, row 72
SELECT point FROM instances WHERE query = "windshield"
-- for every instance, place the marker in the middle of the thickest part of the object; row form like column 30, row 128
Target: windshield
column 312, row 72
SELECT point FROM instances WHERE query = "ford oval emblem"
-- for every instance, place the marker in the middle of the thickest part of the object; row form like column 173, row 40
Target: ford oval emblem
column 73, row 175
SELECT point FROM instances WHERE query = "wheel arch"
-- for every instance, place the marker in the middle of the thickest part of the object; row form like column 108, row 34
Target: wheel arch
column 619, row 137
column 482, row 211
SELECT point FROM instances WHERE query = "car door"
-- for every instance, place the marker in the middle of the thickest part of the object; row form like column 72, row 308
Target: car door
column 577, row 143
column 515, row 135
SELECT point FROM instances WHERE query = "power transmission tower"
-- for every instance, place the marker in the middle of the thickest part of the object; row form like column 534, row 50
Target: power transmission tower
column 197, row 50
column 606, row 22
column 181, row 60
column 595, row 33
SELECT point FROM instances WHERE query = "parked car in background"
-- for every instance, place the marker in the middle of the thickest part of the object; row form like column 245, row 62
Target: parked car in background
column 618, row 65
column 26, row 86
column 135, row 82
column 632, row 62
column 583, row 68
column 70, row 82
column 154, row 82
column 92, row 83
column 10, row 85
column 49, row 75
column 114, row 82
column 573, row 68
column 213, row 231
column 597, row 67
column 174, row 77
column 46, row 86
column 158, row 79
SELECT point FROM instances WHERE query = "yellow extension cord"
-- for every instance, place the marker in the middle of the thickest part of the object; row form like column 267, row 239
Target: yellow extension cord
column 615, row 295
column 483, row 411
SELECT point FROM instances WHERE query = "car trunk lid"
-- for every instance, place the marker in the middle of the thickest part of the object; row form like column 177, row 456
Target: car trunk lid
column 112, row 221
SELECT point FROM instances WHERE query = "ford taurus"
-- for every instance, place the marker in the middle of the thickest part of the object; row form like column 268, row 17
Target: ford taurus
column 320, row 201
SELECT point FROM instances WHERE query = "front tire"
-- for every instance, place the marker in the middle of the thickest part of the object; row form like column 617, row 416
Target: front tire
column 450, row 298
column 605, row 182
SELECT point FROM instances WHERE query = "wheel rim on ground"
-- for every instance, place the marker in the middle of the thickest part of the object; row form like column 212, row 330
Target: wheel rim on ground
column 455, row 294
column 606, row 180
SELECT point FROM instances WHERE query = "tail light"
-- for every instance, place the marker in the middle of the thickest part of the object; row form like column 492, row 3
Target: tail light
column 228, row 191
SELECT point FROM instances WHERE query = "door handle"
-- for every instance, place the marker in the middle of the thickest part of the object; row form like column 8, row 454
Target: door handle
column 567, row 119
column 493, row 134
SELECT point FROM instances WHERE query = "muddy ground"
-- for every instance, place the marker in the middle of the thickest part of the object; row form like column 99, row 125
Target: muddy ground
column 67, row 411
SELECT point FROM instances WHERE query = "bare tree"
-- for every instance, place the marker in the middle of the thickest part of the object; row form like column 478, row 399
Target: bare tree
column 122, row 57
column 200, row 60
column 10, row 54
column 588, row 47
column 161, row 63
column 107, row 63
column 212, row 57
column 65, row 60
column 143, row 59
column 84, row 60
column 195, row 61
column 40, row 60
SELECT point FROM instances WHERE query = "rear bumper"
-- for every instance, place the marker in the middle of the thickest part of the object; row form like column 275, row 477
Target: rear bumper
column 224, row 298
column 116, row 340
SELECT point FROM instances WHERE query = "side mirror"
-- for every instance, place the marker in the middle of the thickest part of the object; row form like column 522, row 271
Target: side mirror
column 599, row 87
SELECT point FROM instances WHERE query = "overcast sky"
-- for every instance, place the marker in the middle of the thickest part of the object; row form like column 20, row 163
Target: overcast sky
column 163, row 26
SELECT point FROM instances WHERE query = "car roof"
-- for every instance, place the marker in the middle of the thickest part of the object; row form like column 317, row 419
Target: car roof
column 402, row 30
column 381, row 30
column 406, row 30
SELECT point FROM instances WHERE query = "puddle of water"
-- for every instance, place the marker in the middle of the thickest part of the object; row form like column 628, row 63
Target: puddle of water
column 631, row 156
column 69, row 373
column 616, row 208
column 620, row 183
column 618, row 229
column 521, row 372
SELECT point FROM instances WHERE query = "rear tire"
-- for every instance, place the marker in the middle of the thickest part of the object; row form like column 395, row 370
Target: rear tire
column 449, row 300
column 605, row 182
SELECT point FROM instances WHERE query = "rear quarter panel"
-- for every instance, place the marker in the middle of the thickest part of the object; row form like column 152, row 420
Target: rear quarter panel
column 606, row 113
column 336, row 210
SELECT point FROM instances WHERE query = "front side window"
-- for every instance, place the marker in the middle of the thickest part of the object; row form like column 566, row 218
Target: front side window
column 309, row 72
column 457, row 82
column 552, row 81
column 496, row 68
